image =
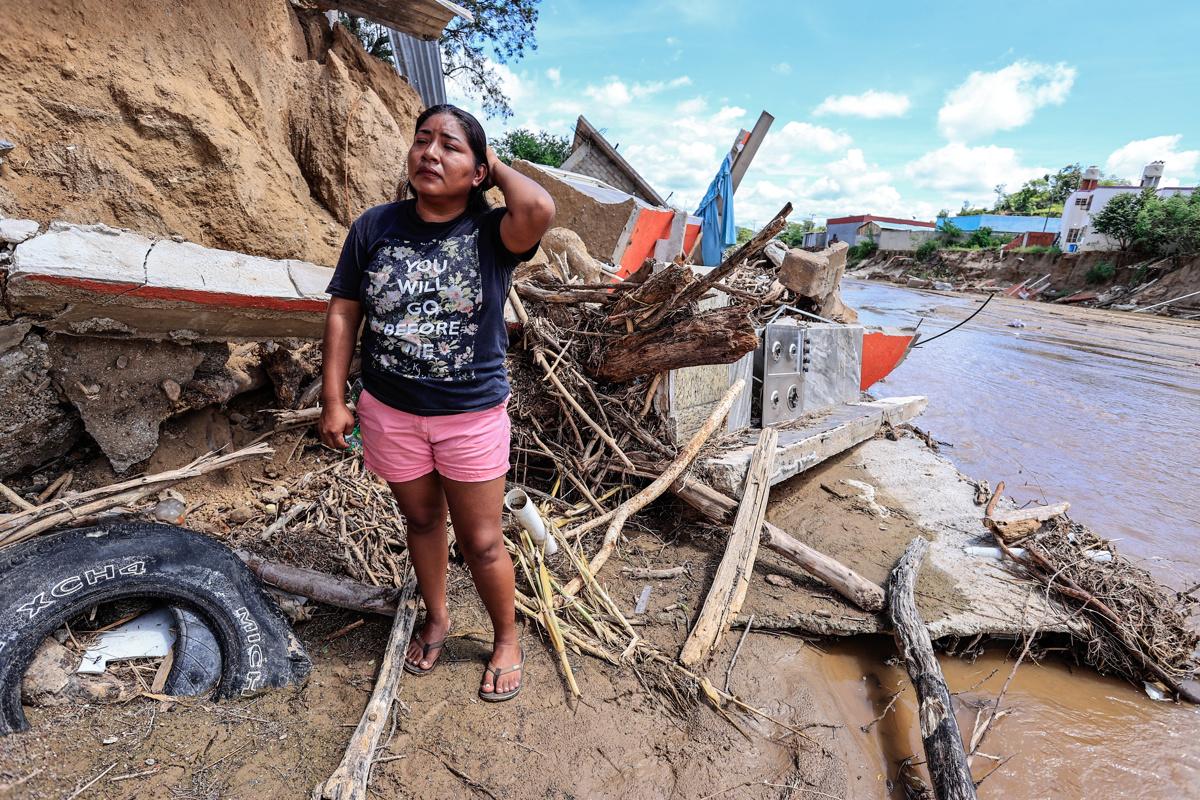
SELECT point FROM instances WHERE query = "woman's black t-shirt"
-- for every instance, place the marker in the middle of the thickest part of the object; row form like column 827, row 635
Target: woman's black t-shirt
column 433, row 299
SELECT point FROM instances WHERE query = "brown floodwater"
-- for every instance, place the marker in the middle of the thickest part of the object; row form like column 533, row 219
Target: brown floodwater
column 1098, row 408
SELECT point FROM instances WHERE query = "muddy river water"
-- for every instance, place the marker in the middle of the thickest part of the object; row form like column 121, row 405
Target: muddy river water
column 1098, row 408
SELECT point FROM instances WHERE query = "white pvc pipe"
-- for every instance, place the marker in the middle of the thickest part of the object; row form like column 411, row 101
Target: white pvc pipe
column 518, row 502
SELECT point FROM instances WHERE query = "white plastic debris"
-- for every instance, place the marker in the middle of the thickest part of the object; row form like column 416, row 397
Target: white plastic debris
column 643, row 600
column 1016, row 323
column 1153, row 692
column 149, row 636
column 867, row 493
column 518, row 502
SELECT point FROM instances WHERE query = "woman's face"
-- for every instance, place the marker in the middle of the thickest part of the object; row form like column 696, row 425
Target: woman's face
column 441, row 165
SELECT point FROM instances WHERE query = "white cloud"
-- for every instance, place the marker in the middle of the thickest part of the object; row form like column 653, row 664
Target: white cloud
column 612, row 93
column 801, row 136
column 676, row 141
column 869, row 105
column 616, row 92
column 987, row 102
column 972, row 172
column 729, row 114
column 555, row 76
column 671, row 41
column 1128, row 160
column 782, row 68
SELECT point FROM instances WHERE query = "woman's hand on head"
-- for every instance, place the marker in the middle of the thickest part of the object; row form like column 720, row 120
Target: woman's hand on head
column 335, row 425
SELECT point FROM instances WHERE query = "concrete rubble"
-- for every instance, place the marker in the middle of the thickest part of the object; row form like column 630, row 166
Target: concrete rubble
column 108, row 322
column 98, row 280
column 815, row 276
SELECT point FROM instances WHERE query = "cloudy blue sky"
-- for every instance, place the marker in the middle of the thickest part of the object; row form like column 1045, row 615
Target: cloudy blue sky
column 880, row 107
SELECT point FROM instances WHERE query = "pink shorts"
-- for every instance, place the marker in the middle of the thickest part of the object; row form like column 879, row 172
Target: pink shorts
column 398, row 446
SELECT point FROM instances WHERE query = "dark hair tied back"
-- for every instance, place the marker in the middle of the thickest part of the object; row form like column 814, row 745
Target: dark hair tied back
column 477, row 202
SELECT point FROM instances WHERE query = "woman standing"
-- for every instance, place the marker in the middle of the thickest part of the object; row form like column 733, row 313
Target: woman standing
column 430, row 275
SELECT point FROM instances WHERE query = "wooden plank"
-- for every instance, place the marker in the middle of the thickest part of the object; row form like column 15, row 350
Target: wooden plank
column 349, row 780
column 849, row 584
column 1012, row 526
column 732, row 580
column 944, row 753
column 746, row 156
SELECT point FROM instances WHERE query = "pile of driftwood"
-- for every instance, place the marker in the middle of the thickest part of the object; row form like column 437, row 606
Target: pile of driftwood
column 1136, row 628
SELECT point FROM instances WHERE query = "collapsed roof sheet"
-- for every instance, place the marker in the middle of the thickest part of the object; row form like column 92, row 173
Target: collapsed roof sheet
column 425, row 19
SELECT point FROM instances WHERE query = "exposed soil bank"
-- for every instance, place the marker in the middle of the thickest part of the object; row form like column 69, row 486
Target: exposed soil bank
column 241, row 124
column 1135, row 280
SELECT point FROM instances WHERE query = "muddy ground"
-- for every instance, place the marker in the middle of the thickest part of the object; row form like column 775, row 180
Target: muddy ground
column 621, row 739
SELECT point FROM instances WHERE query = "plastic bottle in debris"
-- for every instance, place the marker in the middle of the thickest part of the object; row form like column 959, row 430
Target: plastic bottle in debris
column 170, row 510
column 354, row 439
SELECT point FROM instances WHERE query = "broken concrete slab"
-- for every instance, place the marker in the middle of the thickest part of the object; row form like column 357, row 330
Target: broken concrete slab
column 102, row 281
column 615, row 226
column 958, row 593
column 597, row 212
column 15, row 231
column 35, row 425
column 809, row 441
column 813, row 275
column 122, row 389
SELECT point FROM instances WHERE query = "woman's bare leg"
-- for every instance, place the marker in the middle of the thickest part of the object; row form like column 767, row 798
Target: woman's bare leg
column 475, row 511
column 423, row 504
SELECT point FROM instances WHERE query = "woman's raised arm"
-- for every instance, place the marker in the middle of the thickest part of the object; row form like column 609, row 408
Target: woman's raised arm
column 530, row 207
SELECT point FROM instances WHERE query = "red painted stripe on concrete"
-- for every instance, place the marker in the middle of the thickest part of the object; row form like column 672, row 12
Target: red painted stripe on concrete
column 222, row 299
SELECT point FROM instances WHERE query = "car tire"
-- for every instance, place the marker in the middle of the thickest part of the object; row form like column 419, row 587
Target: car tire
column 45, row 582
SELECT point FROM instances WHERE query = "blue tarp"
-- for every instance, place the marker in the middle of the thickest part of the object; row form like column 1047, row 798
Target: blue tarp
column 717, row 230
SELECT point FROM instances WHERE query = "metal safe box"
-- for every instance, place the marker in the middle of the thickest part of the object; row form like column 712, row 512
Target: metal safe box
column 806, row 367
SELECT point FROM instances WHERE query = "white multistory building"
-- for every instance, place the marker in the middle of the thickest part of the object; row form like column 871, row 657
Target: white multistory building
column 1086, row 202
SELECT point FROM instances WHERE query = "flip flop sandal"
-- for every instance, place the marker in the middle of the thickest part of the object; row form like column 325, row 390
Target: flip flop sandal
column 415, row 669
column 498, row 697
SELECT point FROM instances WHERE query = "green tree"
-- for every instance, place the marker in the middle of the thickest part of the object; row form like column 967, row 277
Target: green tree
column 374, row 37
column 793, row 234
column 1169, row 226
column 982, row 238
column 1042, row 195
column 502, row 31
column 540, row 147
column 951, row 233
column 1118, row 219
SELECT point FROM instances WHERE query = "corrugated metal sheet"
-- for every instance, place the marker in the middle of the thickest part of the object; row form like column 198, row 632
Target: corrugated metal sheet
column 424, row 19
column 420, row 61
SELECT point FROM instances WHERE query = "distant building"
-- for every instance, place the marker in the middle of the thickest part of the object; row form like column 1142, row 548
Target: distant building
column 815, row 240
column 846, row 229
column 592, row 155
column 903, row 237
column 1005, row 223
column 1086, row 201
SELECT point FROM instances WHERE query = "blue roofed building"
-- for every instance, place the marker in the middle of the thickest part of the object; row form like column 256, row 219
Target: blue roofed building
column 1005, row 223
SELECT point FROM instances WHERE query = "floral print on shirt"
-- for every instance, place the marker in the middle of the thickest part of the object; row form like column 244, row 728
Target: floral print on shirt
column 422, row 305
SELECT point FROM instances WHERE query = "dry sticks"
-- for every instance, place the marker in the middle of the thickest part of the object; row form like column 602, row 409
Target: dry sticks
column 660, row 485
column 349, row 780
column 82, row 506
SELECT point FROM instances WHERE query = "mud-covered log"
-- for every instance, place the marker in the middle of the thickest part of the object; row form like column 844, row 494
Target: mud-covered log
column 944, row 753
column 659, row 287
column 321, row 587
column 720, row 336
